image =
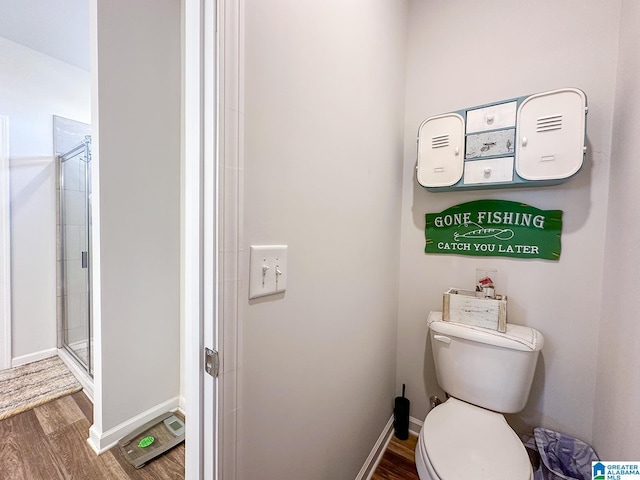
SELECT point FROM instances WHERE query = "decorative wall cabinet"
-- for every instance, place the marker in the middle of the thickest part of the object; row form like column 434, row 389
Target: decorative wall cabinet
column 529, row 141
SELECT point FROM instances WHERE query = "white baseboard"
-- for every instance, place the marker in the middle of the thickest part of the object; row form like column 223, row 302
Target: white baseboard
column 81, row 375
column 33, row 357
column 370, row 465
column 182, row 402
column 415, row 425
column 372, row 461
column 100, row 442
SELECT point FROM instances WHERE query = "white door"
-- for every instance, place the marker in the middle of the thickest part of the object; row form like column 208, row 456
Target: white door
column 200, row 238
column 441, row 150
column 212, row 133
column 551, row 134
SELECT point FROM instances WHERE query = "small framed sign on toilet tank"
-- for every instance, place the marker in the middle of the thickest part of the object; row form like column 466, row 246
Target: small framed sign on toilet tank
column 495, row 228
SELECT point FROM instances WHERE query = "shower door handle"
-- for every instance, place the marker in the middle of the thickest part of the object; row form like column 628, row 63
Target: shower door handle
column 85, row 259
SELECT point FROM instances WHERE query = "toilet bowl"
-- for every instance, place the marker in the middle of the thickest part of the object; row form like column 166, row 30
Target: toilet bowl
column 460, row 441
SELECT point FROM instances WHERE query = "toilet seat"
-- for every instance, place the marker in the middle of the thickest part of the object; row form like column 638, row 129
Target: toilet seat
column 461, row 441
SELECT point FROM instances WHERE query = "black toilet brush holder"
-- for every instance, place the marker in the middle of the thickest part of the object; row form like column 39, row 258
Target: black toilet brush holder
column 401, row 416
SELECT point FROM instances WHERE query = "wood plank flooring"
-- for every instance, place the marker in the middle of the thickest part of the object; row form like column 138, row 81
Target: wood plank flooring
column 50, row 443
column 398, row 461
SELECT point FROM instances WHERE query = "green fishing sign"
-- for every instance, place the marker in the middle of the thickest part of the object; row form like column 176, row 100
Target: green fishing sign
column 495, row 228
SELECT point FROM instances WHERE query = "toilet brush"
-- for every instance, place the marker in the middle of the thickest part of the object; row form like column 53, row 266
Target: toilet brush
column 401, row 416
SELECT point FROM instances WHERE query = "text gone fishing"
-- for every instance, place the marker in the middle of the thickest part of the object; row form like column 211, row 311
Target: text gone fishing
column 485, row 218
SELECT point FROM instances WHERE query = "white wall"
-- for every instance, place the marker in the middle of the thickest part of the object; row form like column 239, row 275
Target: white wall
column 323, row 136
column 617, row 424
column 33, row 88
column 137, row 314
column 467, row 53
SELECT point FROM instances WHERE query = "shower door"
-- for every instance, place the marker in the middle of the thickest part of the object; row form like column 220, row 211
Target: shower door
column 75, row 241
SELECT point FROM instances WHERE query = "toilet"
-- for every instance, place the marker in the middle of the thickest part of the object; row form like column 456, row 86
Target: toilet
column 485, row 374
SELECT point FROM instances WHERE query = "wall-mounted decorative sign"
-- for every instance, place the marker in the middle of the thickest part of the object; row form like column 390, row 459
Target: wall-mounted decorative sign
column 495, row 228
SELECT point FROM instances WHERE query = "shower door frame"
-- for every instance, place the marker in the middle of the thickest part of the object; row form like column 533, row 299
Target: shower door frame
column 5, row 250
column 77, row 150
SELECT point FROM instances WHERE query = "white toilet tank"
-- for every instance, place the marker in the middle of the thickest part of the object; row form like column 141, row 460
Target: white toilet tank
column 484, row 367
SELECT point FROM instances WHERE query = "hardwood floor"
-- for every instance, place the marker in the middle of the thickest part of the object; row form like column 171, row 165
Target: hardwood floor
column 50, row 443
column 398, row 461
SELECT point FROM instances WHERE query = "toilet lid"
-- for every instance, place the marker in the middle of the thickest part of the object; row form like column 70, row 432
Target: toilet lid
column 463, row 441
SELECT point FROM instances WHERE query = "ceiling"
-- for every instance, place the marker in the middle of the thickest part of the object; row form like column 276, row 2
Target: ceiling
column 58, row 28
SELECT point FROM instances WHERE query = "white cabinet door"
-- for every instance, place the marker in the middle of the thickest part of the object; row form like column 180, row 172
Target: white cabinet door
column 550, row 135
column 441, row 150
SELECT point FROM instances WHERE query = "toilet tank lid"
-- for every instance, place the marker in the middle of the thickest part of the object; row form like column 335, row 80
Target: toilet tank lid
column 517, row 337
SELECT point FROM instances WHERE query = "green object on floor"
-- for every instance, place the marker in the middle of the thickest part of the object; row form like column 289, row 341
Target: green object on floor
column 152, row 439
column 146, row 441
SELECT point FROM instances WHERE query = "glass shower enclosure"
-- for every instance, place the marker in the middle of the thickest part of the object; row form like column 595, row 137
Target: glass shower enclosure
column 76, row 328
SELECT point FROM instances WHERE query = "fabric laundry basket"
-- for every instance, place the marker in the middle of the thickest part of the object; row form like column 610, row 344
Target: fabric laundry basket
column 562, row 457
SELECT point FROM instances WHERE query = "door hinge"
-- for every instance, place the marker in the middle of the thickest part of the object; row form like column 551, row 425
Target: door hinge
column 211, row 362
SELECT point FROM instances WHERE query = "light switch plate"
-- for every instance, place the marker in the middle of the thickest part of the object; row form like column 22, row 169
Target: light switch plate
column 267, row 270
